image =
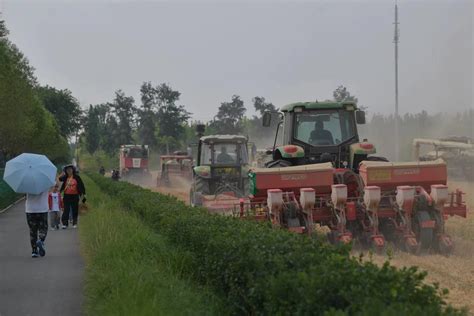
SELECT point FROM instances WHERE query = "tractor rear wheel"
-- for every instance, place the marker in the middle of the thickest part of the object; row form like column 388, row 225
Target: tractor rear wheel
column 424, row 234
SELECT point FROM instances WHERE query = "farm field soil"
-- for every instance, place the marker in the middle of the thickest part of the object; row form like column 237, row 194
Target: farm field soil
column 456, row 272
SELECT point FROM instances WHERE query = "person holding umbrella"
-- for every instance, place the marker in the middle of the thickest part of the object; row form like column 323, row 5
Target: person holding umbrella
column 37, row 218
column 34, row 175
column 73, row 189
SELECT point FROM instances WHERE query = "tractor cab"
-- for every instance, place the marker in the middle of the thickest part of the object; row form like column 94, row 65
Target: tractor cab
column 318, row 132
column 221, row 166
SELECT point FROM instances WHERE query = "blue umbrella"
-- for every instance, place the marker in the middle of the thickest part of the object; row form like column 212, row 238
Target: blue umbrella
column 30, row 173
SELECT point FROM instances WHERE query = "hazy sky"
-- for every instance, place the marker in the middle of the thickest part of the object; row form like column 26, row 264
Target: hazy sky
column 285, row 51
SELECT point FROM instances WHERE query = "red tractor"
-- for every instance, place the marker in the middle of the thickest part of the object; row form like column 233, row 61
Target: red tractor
column 134, row 162
column 323, row 174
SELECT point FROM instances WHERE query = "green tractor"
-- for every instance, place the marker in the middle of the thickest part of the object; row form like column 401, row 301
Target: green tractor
column 317, row 132
column 221, row 169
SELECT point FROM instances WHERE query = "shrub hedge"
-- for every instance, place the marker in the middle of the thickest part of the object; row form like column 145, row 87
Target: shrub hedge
column 261, row 270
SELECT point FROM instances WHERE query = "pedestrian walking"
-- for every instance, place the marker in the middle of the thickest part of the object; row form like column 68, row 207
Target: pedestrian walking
column 36, row 208
column 33, row 175
column 73, row 189
column 55, row 203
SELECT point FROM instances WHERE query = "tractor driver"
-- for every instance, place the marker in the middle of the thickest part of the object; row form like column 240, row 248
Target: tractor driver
column 224, row 157
column 320, row 136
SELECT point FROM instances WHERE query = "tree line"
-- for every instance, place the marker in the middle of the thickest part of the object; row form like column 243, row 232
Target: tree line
column 158, row 120
column 34, row 118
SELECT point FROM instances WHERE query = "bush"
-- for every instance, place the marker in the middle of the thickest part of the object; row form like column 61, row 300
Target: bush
column 267, row 271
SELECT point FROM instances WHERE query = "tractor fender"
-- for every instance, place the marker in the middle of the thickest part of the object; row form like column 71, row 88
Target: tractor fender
column 203, row 171
column 361, row 150
column 288, row 152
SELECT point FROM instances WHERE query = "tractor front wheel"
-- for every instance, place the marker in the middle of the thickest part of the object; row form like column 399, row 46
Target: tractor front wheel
column 195, row 198
column 201, row 185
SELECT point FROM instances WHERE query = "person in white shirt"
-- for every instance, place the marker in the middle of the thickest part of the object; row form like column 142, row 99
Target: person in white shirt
column 36, row 208
column 55, row 203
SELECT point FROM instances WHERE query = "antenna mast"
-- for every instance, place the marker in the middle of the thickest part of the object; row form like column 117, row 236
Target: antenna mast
column 396, row 37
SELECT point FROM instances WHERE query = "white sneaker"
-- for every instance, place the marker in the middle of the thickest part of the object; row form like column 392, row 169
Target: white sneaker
column 74, row 226
column 64, row 227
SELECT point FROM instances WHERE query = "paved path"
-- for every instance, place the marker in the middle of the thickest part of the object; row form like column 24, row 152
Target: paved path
column 51, row 285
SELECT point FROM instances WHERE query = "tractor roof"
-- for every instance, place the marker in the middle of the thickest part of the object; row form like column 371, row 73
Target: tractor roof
column 319, row 105
column 223, row 138
column 133, row 146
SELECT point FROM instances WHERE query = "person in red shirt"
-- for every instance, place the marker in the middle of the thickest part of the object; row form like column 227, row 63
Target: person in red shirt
column 73, row 188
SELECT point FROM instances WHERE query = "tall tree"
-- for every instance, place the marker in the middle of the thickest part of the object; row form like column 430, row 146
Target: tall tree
column 124, row 108
column 64, row 107
column 3, row 29
column 261, row 106
column 92, row 130
column 110, row 140
column 170, row 117
column 146, row 114
column 342, row 94
column 229, row 116
column 26, row 126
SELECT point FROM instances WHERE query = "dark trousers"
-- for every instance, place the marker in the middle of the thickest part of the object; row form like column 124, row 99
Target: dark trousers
column 38, row 223
column 71, row 204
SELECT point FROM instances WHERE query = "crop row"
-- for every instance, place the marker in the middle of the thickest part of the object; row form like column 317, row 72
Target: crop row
column 260, row 270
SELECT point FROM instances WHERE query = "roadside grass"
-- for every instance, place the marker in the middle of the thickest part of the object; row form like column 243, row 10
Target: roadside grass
column 131, row 270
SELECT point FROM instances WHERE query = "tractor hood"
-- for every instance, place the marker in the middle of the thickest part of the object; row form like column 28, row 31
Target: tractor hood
column 203, row 171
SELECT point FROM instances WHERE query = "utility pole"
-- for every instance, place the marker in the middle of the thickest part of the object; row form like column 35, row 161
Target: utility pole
column 396, row 37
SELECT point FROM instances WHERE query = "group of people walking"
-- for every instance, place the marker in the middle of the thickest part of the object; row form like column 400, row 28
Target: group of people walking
column 63, row 198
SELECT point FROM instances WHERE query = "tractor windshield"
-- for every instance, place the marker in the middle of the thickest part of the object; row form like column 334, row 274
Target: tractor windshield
column 224, row 154
column 137, row 152
column 324, row 128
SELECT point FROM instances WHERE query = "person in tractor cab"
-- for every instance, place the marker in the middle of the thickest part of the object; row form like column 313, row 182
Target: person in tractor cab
column 320, row 136
column 224, row 157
